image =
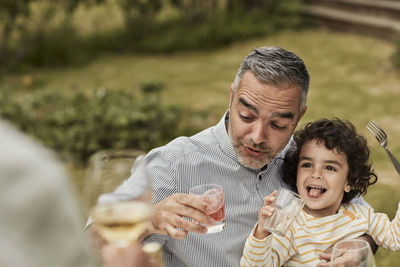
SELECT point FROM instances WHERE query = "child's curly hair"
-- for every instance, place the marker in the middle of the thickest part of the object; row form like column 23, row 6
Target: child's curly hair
column 339, row 135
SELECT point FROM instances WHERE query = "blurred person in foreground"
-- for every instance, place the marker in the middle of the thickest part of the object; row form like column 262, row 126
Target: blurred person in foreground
column 40, row 224
column 243, row 153
column 329, row 167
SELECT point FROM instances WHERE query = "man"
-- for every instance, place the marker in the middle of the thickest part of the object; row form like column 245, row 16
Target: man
column 40, row 223
column 243, row 153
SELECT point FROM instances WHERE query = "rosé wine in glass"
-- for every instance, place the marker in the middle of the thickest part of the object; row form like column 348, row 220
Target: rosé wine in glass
column 214, row 195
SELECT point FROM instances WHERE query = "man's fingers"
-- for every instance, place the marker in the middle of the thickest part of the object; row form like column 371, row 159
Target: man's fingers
column 191, row 226
column 180, row 211
column 187, row 206
column 175, row 233
column 191, row 201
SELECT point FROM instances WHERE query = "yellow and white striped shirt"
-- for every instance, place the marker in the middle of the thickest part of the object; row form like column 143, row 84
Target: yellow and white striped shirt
column 308, row 236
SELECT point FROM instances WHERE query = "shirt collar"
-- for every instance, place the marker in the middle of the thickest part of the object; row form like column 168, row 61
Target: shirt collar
column 223, row 139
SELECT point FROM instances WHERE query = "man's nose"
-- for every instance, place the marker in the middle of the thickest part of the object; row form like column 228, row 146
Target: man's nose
column 259, row 133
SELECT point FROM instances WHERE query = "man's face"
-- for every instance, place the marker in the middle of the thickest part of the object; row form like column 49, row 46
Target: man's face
column 262, row 118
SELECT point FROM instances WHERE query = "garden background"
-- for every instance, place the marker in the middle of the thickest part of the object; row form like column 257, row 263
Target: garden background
column 82, row 76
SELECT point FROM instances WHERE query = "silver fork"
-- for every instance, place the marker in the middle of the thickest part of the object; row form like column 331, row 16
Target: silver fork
column 382, row 138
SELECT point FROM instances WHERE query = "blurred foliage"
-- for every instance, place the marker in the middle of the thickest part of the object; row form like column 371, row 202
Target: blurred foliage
column 217, row 30
column 396, row 55
column 81, row 124
column 191, row 24
column 15, row 20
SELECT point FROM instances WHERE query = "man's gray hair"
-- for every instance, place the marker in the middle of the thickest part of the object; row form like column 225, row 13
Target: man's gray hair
column 276, row 66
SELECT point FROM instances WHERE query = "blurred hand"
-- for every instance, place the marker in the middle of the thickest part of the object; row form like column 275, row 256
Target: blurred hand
column 349, row 258
column 326, row 256
column 265, row 211
column 168, row 216
column 346, row 259
column 132, row 256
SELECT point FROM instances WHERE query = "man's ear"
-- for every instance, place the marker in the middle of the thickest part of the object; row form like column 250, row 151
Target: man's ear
column 231, row 95
column 303, row 112
column 300, row 116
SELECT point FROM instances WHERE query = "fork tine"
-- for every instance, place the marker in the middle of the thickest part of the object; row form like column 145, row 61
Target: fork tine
column 372, row 131
column 380, row 129
column 377, row 132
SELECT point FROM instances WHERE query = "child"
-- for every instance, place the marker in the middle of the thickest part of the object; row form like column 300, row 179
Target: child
column 331, row 163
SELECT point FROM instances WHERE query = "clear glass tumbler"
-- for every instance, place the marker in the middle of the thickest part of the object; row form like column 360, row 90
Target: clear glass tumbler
column 287, row 205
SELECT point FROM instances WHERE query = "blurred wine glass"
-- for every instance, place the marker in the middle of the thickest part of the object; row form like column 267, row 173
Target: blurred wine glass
column 106, row 170
column 121, row 222
column 352, row 253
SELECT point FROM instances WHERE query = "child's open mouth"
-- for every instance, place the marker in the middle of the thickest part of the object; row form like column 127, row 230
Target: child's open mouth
column 315, row 191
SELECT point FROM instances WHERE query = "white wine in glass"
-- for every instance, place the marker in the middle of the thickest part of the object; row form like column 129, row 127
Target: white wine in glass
column 352, row 253
column 121, row 223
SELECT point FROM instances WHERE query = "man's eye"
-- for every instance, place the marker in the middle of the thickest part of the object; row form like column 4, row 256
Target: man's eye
column 245, row 118
column 276, row 126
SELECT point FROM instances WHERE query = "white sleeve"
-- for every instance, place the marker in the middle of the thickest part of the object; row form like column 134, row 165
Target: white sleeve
column 360, row 201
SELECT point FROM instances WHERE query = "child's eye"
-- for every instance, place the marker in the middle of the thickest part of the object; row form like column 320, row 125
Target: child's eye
column 330, row 168
column 306, row 165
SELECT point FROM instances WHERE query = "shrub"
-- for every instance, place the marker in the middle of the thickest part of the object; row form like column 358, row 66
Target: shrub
column 59, row 46
column 106, row 119
column 396, row 55
column 206, row 27
column 217, row 29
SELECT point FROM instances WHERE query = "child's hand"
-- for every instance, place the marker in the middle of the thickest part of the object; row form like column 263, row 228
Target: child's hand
column 265, row 211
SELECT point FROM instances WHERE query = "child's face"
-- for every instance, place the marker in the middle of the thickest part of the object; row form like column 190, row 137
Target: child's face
column 321, row 178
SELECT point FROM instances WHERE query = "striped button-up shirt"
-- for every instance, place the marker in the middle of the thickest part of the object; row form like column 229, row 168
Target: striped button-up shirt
column 208, row 157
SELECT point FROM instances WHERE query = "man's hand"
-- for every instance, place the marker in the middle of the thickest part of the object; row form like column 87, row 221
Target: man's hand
column 169, row 215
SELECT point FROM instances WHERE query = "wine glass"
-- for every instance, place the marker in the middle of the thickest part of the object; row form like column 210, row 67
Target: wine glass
column 122, row 222
column 107, row 169
column 352, row 253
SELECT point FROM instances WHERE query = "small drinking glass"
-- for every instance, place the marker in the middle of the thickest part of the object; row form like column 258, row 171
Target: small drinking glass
column 287, row 205
column 352, row 253
column 213, row 194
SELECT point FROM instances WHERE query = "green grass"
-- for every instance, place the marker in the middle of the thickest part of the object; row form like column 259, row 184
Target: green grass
column 351, row 78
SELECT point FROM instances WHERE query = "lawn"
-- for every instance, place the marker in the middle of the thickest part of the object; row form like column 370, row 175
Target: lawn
column 351, row 78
